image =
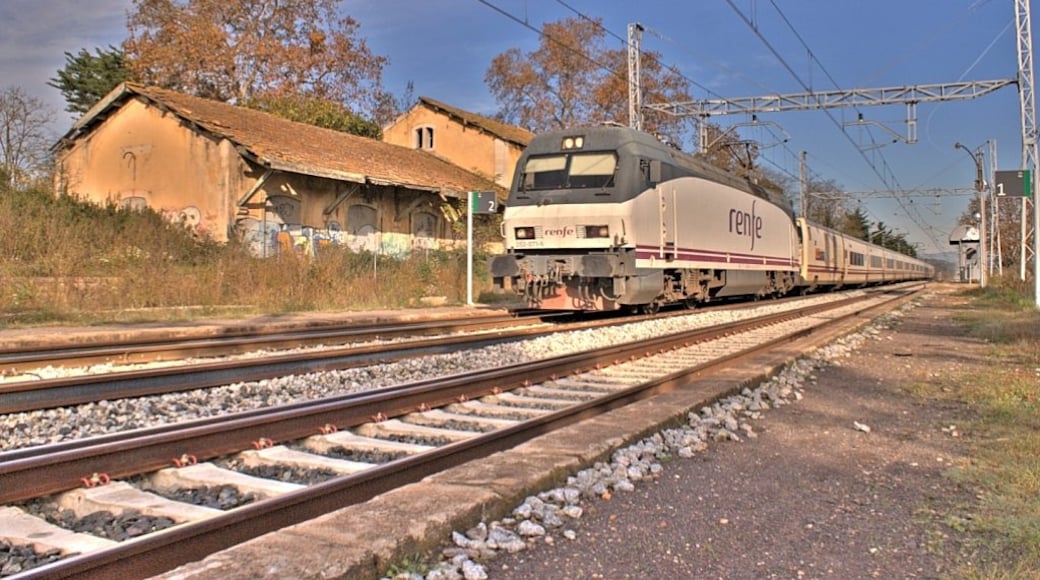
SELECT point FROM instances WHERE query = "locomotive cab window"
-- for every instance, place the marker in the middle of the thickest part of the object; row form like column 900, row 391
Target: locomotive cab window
column 571, row 171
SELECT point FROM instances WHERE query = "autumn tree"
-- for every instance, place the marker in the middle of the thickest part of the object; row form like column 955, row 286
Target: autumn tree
column 24, row 141
column 86, row 77
column 236, row 50
column 1008, row 227
column 574, row 79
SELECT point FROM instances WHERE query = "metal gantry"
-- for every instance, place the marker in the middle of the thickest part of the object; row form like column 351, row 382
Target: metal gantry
column 903, row 95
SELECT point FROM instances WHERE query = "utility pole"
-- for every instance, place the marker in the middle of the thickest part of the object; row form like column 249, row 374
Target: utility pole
column 635, row 92
column 804, row 183
column 980, row 187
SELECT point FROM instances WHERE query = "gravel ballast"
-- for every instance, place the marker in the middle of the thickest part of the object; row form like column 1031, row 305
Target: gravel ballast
column 52, row 425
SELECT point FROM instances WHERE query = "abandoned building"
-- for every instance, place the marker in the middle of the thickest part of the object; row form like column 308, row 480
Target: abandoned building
column 226, row 171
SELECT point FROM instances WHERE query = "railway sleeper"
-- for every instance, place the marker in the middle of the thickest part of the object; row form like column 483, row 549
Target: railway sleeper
column 23, row 529
column 585, row 383
column 636, row 375
column 435, row 417
column 559, row 394
column 209, row 475
column 515, row 399
column 282, row 455
column 119, row 498
column 655, row 366
column 361, row 443
column 486, row 409
column 395, row 428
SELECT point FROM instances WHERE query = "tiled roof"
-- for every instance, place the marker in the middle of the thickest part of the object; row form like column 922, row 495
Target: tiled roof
column 298, row 147
column 504, row 131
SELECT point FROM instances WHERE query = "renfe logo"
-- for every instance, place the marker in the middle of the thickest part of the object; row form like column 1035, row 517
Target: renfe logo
column 746, row 224
column 560, row 232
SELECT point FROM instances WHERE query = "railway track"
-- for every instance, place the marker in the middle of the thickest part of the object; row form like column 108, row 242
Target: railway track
column 337, row 348
column 424, row 427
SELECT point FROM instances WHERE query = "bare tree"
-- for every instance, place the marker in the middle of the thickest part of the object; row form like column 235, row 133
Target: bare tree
column 24, row 140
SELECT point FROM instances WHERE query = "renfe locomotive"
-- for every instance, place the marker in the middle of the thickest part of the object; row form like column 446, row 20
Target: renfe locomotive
column 609, row 217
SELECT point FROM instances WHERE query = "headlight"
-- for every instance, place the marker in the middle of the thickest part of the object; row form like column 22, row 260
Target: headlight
column 597, row 232
column 526, row 233
column 573, row 142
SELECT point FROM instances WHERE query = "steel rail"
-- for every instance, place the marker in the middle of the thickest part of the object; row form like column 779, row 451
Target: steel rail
column 59, row 392
column 162, row 551
column 221, row 342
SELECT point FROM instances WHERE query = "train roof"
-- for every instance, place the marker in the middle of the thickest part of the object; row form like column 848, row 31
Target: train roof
column 617, row 137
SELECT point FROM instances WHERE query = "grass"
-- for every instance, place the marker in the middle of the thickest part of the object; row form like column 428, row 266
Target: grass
column 1005, row 455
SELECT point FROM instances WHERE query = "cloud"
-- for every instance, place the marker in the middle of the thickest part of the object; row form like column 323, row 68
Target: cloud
column 35, row 34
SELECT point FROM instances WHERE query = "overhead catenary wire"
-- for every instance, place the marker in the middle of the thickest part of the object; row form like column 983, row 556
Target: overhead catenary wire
column 885, row 173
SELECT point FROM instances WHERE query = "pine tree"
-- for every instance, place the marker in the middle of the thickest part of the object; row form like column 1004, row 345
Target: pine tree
column 86, row 78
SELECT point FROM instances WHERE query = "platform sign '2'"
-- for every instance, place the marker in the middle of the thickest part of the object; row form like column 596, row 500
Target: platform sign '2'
column 484, row 202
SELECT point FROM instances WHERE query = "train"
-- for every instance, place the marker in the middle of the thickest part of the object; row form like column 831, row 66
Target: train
column 608, row 217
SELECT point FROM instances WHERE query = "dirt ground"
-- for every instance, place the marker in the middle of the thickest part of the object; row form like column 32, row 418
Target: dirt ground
column 812, row 496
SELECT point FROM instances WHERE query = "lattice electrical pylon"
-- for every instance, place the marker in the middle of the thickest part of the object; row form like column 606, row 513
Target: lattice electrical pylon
column 1027, row 101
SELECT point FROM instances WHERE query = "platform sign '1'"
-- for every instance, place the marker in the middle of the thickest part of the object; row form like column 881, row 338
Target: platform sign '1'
column 1015, row 183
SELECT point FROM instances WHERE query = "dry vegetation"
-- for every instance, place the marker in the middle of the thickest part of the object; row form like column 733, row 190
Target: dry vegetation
column 1005, row 461
column 66, row 262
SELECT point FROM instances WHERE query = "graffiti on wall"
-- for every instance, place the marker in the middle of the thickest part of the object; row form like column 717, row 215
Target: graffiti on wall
column 267, row 239
column 189, row 217
column 275, row 234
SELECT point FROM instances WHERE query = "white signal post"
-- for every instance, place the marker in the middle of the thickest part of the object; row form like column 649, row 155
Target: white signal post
column 469, row 248
column 476, row 202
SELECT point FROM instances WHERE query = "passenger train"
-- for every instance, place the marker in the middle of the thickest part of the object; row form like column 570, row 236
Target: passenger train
column 609, row 217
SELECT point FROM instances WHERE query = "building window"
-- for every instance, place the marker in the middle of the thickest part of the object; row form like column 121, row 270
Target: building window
column 424, row 225
column 361, row 220
column 424, row 230
column 424, row 137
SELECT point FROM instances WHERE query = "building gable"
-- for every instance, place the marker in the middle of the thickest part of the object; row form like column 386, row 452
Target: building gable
column 478, row 143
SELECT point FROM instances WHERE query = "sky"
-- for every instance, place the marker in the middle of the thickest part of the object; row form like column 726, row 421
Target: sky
column 725, row 48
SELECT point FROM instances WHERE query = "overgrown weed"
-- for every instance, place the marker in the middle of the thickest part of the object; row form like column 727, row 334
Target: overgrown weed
column 63, row 261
